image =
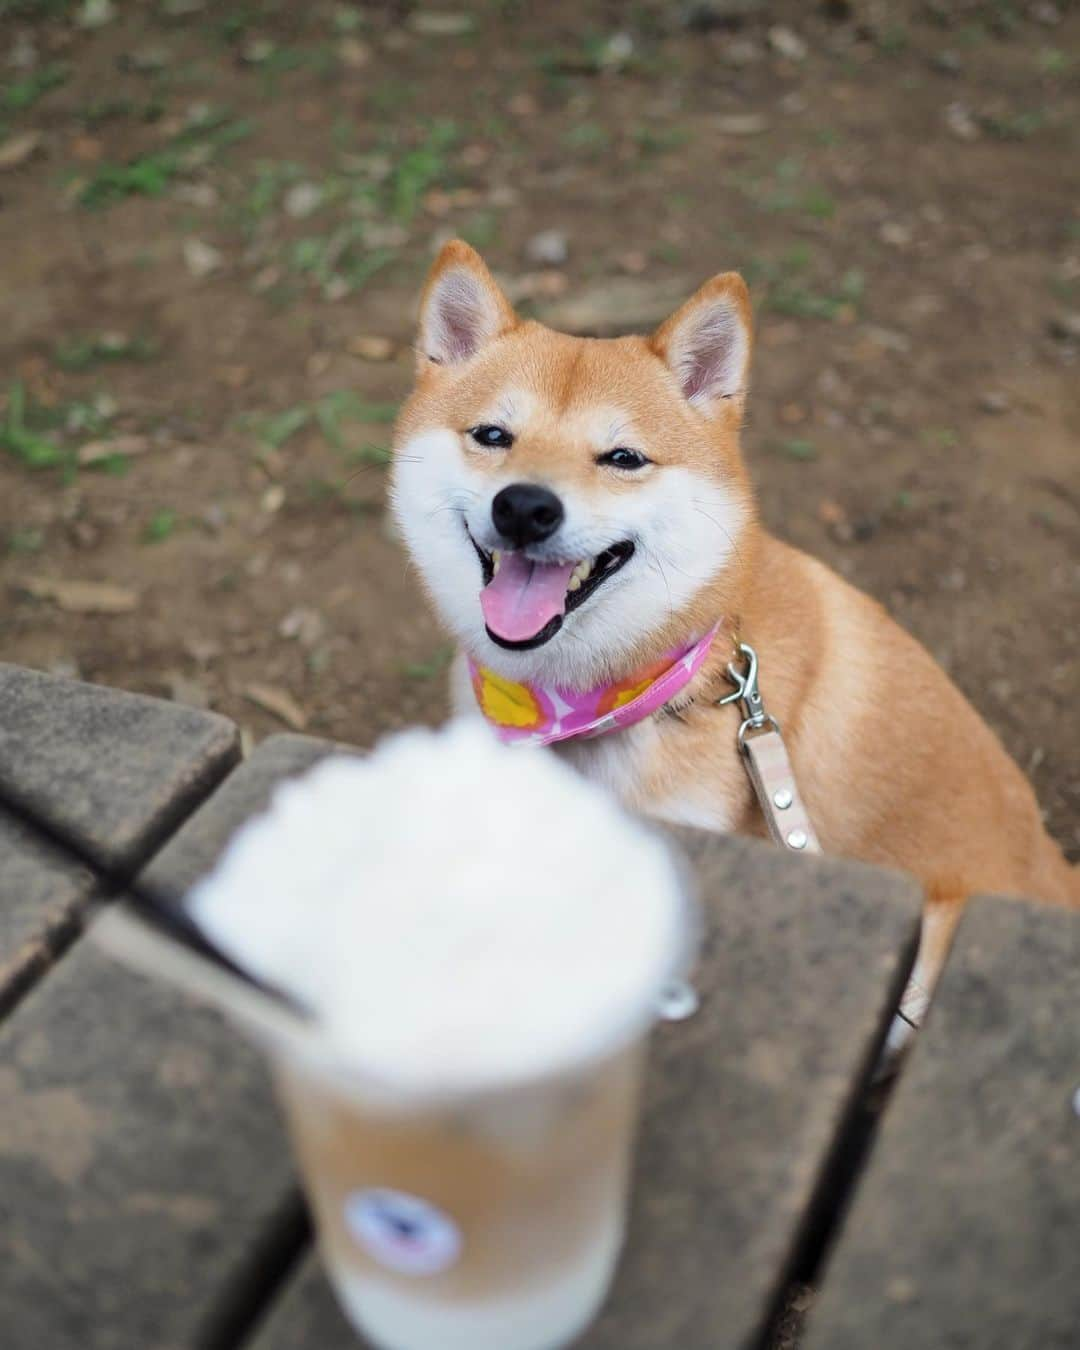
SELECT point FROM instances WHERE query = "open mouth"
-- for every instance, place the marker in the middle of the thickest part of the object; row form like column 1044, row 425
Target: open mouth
column 525, row 602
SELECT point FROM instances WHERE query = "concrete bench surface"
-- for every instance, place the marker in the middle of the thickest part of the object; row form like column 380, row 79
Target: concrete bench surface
column 965, row 1231
column 147, row 1197
column 141, row 1163
column 43, row 897
column 143, row 1168
column 110, row 774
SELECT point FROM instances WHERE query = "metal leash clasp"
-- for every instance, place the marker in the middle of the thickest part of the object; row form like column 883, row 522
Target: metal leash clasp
column 746, row 692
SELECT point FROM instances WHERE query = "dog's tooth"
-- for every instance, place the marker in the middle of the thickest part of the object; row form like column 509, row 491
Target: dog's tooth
column 581, row 571
column 575, row 582
column 496, row 560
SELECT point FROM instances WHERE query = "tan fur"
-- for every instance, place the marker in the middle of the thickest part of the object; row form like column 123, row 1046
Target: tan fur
column 895, row 766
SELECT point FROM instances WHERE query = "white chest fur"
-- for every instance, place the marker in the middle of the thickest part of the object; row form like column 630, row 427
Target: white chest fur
column 624, row 763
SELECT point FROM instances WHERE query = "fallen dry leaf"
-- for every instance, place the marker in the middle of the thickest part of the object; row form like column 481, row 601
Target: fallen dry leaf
column 830, row 512
column 95, row 451
column 353, row 53
column 81, row 597
column 202, row 258
column 87, row 149
column 371, row 348
column 741, row 124
column 278, row 702
column 18, row 149
column 235, row 377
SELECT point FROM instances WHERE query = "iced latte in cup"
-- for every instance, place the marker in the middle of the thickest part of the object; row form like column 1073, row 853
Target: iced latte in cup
column 480, row 939
column 493, row 1221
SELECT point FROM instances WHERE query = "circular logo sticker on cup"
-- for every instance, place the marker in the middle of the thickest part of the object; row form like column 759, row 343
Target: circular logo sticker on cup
column 402, row 1232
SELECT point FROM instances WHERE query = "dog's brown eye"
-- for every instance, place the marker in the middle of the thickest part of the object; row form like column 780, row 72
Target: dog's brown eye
column 624, row 459
column 496, row 438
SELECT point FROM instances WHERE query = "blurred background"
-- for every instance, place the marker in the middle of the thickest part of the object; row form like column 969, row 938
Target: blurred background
column 215, row 218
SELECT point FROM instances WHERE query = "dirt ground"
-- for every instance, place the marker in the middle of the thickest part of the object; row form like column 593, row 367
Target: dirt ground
column 214, row 219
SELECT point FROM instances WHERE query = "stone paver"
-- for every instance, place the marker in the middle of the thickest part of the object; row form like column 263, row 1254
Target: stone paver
column 143, row 1170
column 964, row 1231
column 109, row 773
column 804, row 961
column 43, row 897
column 197, row 844
column 141, row 1163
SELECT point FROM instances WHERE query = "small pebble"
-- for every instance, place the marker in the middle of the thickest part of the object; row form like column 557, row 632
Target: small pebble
column 948, row 63
column 549, row 248
column 740, row 52
column 95, row 13
column 202, row 258
column 787, row 43
column 959, row 120
column 1046, row 14
column 895, row 234
column 302, row 200
column 436, row 23
column 741, row 124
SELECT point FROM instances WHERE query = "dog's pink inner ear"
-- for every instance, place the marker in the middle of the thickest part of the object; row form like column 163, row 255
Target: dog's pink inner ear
column 462, row 312
column 708, row 353
column 706, row 344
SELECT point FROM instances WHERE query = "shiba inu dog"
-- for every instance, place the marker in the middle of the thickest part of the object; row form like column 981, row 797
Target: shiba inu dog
column 581, row 516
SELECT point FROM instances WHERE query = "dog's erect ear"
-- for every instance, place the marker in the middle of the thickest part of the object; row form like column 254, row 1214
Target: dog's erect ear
column 462, row 308
column 706, row 344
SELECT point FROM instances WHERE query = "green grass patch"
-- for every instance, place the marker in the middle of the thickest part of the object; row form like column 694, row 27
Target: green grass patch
column 94, row 349
column 892, row 40
column 430, row 669
column 339, row 254
column 160, row 526
column 797, row 448
column 22, row 433
column 38, row 436
column 588, row 138
column 1053, row 61
column 17, row 95
column 940, row 438
column 786, row 295
column 25, row 541
column 280, row 427
column 421, row 168
column 651, row 141
column 331, row 414
column 1020, row 126
column 101, row 111
column 480, row 229
column 369, row 454
column 150, row 175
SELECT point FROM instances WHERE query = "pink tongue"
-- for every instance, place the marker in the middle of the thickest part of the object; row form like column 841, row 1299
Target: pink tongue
column 524, row 596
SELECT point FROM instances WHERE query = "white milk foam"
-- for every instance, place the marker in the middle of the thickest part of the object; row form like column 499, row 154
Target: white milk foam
column 456, row 913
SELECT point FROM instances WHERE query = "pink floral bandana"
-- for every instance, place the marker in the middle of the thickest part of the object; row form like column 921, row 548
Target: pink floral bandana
column 530, row 715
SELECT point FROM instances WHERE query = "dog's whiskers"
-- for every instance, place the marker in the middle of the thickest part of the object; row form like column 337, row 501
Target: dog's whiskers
column 724, row 531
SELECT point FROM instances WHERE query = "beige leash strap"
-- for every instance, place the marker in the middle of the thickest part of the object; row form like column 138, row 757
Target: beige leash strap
column 765, row 755
column 773, row 779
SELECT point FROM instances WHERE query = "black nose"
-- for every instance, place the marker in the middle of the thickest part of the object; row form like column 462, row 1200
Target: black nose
column 525, row 513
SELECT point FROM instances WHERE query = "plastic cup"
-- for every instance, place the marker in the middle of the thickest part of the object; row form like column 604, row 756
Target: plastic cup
column 487, row 1221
